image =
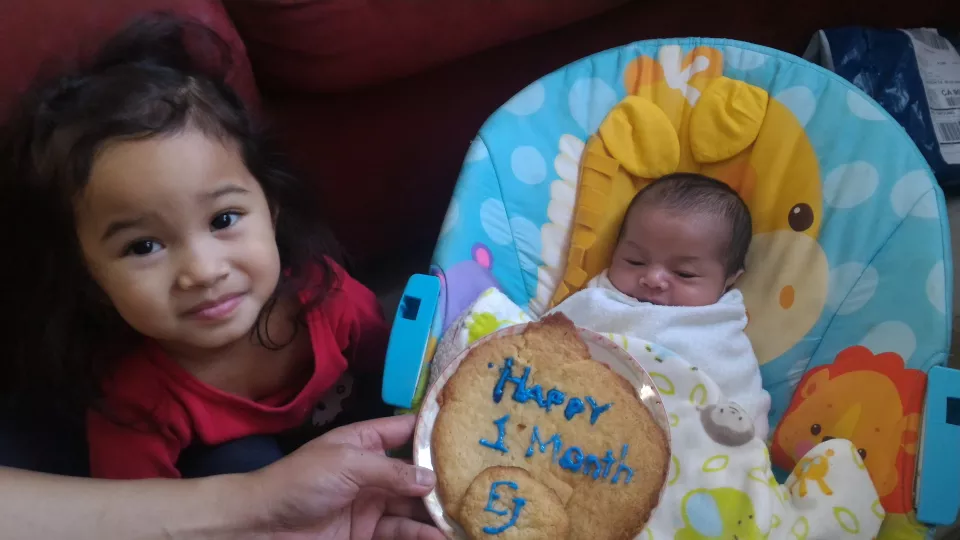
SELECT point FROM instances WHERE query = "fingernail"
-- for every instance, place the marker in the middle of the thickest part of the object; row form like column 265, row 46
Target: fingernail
column 425, row 477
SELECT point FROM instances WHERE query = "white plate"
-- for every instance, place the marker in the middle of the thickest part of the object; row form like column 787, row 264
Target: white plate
column 602, row 350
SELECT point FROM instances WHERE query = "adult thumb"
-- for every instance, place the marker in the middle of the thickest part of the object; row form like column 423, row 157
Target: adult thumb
column 370, row 469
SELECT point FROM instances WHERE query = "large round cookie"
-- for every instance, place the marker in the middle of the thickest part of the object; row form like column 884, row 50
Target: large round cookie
column 537, row 401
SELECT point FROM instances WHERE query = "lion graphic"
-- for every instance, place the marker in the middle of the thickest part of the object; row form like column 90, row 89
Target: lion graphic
column 870, row 400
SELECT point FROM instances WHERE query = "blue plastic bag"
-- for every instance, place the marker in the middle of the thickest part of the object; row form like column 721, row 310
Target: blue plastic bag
column 914, row 75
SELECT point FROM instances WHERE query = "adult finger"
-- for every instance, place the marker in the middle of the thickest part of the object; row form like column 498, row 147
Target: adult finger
column 407, row 507
column 398, row 528
column 401, row 506
column 374, row 470
column 379, row 434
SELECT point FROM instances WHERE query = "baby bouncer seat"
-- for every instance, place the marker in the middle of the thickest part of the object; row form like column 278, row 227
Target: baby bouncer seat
column 849, row 277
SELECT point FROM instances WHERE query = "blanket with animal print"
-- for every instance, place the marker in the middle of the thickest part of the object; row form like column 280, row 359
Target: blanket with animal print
column 720, row 483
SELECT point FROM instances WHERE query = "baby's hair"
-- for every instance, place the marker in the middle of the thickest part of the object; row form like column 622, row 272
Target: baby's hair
column 64, row 335
column 692, row 192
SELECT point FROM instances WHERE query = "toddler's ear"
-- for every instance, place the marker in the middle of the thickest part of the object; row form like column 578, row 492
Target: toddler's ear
column 96, row 294
column 274, row 214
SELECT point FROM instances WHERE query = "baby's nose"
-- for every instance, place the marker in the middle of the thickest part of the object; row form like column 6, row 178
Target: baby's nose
column 655, row 278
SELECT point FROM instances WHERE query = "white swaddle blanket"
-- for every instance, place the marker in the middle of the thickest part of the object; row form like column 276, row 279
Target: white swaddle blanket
column 711, row 338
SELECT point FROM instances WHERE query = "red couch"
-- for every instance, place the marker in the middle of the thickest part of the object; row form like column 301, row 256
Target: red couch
column 377, row 100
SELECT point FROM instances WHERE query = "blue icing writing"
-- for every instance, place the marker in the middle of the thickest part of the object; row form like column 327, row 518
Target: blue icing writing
column 623, row 468
column 518, row 504
column 506, row 375
column 574, row 407
column 536, row 440
column 494, row 496
column 536, row 392
column 501, row 424
column 521, row 394
column 608, row 461
column 572, row 459
column 596, row 411
column 554, row 397
column 592, row 463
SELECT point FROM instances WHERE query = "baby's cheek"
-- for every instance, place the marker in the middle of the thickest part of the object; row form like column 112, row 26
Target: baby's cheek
column 620, row 278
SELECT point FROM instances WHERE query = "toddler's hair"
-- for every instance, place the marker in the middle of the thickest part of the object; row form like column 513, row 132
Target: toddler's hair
column 692, row 192
column 64, row 335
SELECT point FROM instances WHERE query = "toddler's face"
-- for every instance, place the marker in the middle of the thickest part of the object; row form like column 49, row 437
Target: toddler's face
column 671, row 259
column 180, row 237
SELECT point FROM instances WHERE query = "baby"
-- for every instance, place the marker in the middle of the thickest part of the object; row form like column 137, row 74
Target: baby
column 681, row 248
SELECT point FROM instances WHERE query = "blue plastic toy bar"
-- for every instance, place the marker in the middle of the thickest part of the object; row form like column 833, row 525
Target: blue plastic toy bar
column 409, row 338
column 938, row 476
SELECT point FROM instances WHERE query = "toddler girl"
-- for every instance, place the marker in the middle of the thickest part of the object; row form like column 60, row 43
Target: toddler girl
column 172, row 275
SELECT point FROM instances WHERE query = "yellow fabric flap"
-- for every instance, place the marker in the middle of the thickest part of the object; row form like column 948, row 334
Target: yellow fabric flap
column 641, row 138
column 726, row 120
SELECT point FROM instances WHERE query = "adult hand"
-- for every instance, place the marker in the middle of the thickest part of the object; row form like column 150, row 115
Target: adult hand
column 343, row 486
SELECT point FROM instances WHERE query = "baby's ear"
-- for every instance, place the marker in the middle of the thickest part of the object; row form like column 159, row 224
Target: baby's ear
column 733, row 279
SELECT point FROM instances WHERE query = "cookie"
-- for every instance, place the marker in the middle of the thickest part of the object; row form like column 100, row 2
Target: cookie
column 539, row 402
column 509, row 503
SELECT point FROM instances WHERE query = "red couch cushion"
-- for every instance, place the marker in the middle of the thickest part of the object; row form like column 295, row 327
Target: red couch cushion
column 327, row 45
column 386, row 158
column 42, row 37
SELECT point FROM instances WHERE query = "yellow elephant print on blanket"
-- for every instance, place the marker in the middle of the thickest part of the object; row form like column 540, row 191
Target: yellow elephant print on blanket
column 718, row 513
column 482, row 324
column 682, row 115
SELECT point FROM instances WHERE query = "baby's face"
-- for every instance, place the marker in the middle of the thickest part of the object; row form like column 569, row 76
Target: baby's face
column 671, row 259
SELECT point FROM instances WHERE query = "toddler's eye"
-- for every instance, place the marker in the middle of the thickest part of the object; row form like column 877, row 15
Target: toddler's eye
column 686, row 275
column 224, row 220
column 140, row 248
column 634, row 263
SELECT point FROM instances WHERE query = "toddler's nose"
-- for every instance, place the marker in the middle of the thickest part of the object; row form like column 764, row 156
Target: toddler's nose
column 201, row 268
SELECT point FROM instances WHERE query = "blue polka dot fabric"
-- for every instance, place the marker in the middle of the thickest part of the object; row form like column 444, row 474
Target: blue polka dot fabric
column 888, row 274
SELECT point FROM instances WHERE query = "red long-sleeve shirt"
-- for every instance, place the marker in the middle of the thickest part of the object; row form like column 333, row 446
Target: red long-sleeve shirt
column 156, row 408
